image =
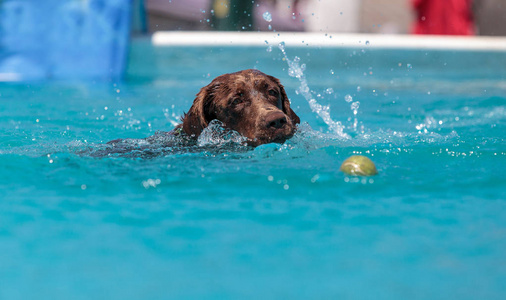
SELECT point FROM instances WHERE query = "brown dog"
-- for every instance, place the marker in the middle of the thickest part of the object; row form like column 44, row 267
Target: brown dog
column 249, row 102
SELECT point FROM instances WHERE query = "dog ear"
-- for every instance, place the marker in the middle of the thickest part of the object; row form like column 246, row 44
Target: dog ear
column 198, row 117
column 286, row 104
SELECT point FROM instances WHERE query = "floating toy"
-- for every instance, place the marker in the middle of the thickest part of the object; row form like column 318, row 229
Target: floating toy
column 358, row 165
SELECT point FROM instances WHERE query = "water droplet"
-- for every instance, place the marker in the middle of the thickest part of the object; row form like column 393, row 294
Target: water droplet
column 281, row 46
column 267, row 16
column 329, row 91
column 348, row 98
column 331, row 72
column 315, row 178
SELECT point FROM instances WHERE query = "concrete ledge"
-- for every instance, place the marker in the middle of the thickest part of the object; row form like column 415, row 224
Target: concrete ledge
column 330, row 40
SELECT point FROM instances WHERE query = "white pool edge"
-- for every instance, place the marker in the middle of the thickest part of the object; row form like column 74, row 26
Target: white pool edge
column 328, row 40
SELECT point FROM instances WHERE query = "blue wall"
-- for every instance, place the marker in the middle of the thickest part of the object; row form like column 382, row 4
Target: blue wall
column 63, row 39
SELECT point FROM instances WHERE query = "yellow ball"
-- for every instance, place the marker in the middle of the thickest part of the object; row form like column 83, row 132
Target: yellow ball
column 358, row 165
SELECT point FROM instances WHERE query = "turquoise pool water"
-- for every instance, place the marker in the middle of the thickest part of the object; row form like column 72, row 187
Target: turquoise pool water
column 278, row 221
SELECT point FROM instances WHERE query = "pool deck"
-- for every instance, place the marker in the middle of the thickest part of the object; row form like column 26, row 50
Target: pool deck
column 329, row 40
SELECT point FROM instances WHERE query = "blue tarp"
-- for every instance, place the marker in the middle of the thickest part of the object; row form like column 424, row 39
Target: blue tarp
column 63, row 39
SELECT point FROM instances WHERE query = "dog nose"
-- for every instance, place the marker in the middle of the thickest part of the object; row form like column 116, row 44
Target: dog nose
column 276, row 121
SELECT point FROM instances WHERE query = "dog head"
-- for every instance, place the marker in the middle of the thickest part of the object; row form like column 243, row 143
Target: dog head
column 249, row 102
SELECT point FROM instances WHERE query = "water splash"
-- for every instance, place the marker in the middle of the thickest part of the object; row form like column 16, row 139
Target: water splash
column 295, row 69
column 379, row 140
column 216, row 135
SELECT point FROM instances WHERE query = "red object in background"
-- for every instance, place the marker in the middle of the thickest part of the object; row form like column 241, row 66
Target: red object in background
column 448, row 17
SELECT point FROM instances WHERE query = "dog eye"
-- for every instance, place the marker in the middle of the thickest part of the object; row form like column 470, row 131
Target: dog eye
column 273, row 93
column 236, row 101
